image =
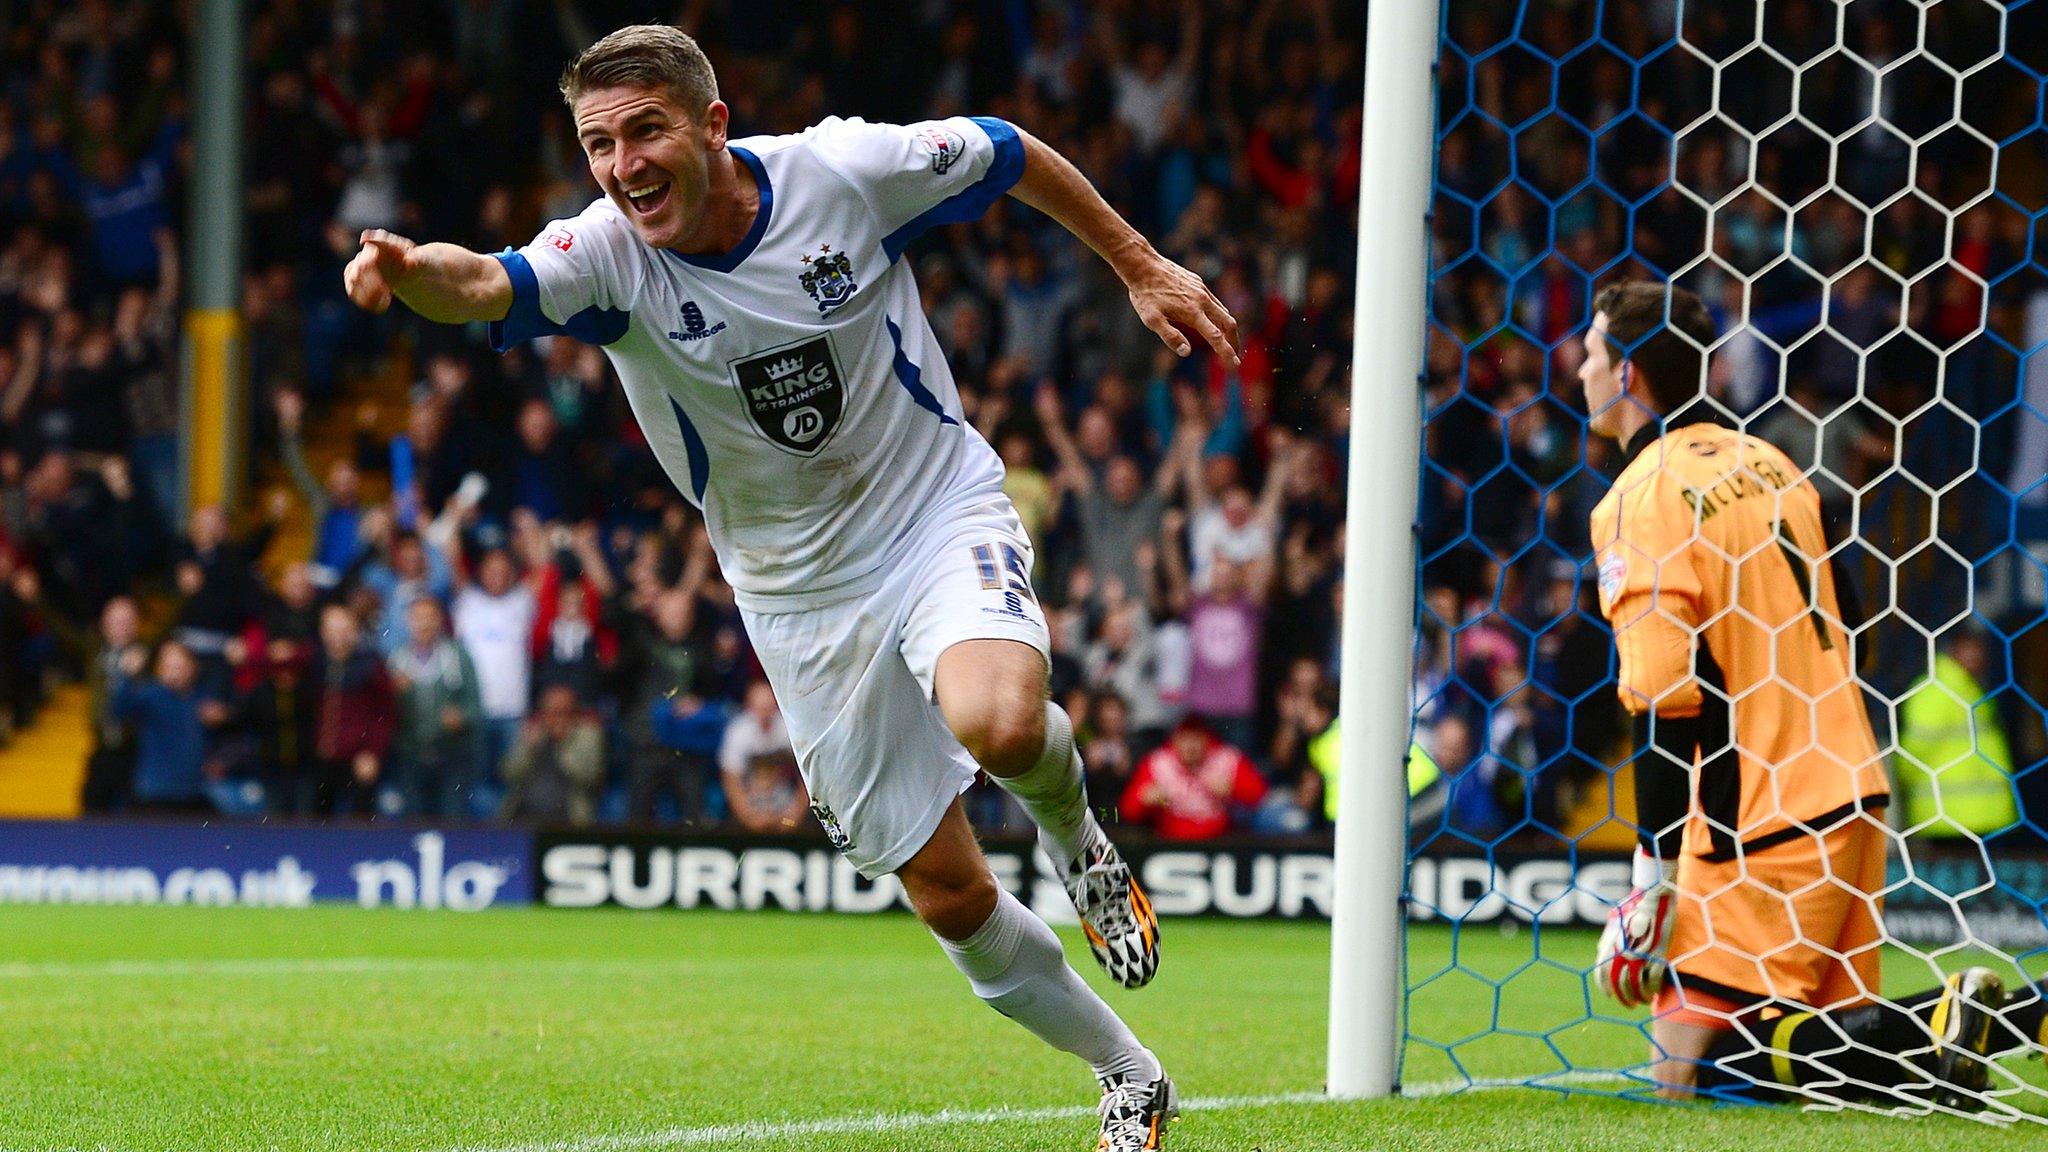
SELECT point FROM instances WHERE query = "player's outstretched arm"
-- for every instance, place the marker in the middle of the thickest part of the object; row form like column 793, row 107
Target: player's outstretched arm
column 445, row 283
column 1170, row 299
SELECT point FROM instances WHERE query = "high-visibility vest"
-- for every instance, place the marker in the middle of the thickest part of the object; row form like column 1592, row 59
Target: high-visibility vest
column 1954, row 767
column 1322, row 752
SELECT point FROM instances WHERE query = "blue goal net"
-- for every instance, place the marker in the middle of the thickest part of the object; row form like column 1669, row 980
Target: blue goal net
column 1856, row 190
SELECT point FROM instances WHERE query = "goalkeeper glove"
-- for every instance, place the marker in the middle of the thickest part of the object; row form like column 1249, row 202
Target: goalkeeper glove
column 1630, row 967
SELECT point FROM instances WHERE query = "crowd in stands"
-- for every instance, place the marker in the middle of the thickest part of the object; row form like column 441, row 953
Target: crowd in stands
column 532, row 626
column 1867, row 265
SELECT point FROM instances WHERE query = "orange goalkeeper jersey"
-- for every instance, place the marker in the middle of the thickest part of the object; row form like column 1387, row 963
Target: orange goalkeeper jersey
column 1714, row 574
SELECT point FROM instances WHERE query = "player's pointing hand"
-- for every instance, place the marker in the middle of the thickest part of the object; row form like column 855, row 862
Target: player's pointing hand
column 375, row 271
column 444, row 283
column 1173, row 302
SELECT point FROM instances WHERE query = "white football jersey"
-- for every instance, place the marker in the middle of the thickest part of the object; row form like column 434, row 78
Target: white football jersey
column 792, row 387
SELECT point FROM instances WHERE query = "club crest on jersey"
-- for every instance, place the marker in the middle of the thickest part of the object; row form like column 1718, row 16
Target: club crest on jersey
column 830, row 823
column 828, row 277
column 795, row 394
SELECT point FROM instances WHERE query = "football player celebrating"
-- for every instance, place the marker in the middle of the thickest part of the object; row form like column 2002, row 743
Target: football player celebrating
column 1754, row 924
column 753, row 297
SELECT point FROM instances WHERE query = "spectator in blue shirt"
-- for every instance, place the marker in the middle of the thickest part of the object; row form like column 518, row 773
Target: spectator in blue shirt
column 170, row 717
column 127, row 202
column 336, row 506
column 411, row 570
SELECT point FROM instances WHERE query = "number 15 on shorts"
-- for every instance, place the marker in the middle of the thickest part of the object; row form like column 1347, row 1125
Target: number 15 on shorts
column 1010, row 575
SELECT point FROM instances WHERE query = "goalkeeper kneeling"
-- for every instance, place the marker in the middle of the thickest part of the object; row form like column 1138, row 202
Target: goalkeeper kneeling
column 1755, row 922
column 1763, row 976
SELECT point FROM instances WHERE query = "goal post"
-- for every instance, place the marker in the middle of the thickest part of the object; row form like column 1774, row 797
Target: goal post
column 1379, row 554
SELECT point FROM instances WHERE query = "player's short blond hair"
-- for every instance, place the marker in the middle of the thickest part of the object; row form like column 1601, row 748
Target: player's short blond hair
column 645, row 56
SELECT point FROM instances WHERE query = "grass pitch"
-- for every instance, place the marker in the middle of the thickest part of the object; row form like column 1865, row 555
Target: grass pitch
column 547, row 1031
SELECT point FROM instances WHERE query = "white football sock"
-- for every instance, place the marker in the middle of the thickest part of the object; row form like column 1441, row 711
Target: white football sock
column 1052, row 792
column 1014, row 962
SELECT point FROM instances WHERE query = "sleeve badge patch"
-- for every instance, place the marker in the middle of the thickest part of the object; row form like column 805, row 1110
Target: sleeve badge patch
column 1613, row 570
column 945, row 145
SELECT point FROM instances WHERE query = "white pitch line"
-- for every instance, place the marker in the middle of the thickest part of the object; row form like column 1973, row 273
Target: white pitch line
column 289, row 965
column 250, row 967
column 757, row 1131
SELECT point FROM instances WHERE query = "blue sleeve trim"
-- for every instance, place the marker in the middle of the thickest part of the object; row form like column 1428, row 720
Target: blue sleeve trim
column 970, row 202
column 727, row 261
column 599, row 326
column 693, row 445
column 912, row 377
column 525, row 320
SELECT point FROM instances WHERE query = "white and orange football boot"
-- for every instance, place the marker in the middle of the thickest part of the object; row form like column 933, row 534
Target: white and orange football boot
column 1115, row 913
column 1135, row 1114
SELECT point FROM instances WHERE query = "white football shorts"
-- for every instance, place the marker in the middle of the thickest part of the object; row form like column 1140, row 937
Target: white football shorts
column 856, row 680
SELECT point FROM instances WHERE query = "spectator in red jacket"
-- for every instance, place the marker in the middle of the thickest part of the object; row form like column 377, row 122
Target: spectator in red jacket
column 357, row 716
column 1186, row 789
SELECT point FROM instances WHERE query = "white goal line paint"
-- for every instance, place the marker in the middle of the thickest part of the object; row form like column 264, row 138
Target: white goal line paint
column 888, row 1122
column 756, row 1131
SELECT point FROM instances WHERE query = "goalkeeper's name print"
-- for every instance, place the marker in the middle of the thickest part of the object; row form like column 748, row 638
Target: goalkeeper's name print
column 1757, row 478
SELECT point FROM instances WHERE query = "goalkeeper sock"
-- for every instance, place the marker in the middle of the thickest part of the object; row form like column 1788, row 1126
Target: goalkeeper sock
column 1853, row 1053
column 1014, row 962
column 1052, row 792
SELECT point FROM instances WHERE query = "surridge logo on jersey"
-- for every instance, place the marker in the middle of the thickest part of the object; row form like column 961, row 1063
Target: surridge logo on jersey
column 795, row 394
column 694, row 325
column 560, row 238
column 828, row 277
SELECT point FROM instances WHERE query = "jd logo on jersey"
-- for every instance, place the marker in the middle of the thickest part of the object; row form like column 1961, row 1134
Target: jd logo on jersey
column 828, row 277
column 795, row 394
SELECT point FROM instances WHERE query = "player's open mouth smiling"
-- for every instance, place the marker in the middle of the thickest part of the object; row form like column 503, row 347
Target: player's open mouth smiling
column 648, row 198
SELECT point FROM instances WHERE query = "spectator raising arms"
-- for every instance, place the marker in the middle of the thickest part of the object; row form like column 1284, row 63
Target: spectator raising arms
column 494, row 621
column 170, row 717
